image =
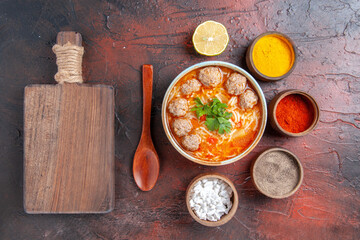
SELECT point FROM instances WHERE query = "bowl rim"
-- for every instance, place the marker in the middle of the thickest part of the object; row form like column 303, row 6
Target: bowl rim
column 256, row 87
column 225, row 218
column 250, row 61
column 274, row 103
column 279, row 149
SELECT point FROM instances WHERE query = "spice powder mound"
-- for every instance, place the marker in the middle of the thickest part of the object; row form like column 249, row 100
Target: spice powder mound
column 273, row 55
column 277, row 173
column 294, row 113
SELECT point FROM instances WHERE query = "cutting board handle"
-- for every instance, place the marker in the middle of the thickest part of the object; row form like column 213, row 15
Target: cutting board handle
column 69, row 52
column 69, row 36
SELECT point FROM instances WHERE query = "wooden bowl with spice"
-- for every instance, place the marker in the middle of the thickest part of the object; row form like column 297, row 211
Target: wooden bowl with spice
column 271, row 56
column 293, row 113
column 211, row 199
column 277, row 173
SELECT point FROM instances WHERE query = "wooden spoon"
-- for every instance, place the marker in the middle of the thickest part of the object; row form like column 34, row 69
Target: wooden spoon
column 146, row 161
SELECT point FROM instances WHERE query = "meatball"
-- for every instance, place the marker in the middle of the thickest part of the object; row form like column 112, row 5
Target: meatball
column 210, row 76
column 235, row 84
column 248, row 99
column 182, row 126
column 190, row 86
column 178, row 107
column 191, row 142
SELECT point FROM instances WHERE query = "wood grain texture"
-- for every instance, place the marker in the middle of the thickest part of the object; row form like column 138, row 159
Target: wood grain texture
column 69, row 36
column 69, row 149
column 146, row 164
column 119, row 37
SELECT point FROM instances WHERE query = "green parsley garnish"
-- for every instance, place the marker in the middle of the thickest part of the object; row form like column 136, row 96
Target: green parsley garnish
column 217, row 118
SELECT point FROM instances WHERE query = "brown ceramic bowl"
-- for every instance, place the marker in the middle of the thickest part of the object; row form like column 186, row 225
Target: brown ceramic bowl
column 250, row 61
column 255, row 174
column 225, row 218
column 272, row 112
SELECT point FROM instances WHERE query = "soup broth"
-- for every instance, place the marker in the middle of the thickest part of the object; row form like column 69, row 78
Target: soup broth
column 216, row 147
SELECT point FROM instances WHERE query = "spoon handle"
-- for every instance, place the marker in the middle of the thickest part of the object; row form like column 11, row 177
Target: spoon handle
column 147, row 97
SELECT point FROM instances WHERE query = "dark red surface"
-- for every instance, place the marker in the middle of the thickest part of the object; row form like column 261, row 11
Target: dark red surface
column 120, row 36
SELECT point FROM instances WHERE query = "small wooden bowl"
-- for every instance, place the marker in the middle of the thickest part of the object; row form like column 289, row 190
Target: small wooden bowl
column 260, row 158
column 272, row 112
column 250, row 61
column 225, row 218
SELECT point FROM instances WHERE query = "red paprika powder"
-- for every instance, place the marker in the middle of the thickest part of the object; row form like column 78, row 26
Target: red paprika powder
column 294, row 113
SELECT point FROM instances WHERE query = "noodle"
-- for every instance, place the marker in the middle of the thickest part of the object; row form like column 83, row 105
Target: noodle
column 232, row 101
column 217, row 147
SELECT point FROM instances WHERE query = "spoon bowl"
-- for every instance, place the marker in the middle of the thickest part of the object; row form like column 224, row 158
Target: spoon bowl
column 146, row 161
column 146, row 167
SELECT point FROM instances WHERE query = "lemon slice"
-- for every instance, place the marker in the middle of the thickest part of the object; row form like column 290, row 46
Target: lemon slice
column 210, row 38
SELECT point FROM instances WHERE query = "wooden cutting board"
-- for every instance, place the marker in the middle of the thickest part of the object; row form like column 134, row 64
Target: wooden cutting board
column 69, row 146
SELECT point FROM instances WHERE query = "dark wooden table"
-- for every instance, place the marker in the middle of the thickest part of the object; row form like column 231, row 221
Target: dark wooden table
column 120, row 36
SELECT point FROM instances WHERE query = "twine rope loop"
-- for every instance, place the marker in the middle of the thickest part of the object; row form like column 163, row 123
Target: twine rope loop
column 69, row 62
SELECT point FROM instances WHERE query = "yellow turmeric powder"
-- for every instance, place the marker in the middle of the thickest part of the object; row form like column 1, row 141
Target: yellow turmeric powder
column 273, row 55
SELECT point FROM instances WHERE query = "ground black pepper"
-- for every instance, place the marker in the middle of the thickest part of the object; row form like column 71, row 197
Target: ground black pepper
column 277, row 173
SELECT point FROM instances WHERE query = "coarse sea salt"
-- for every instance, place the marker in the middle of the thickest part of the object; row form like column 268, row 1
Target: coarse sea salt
column 210, row 199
